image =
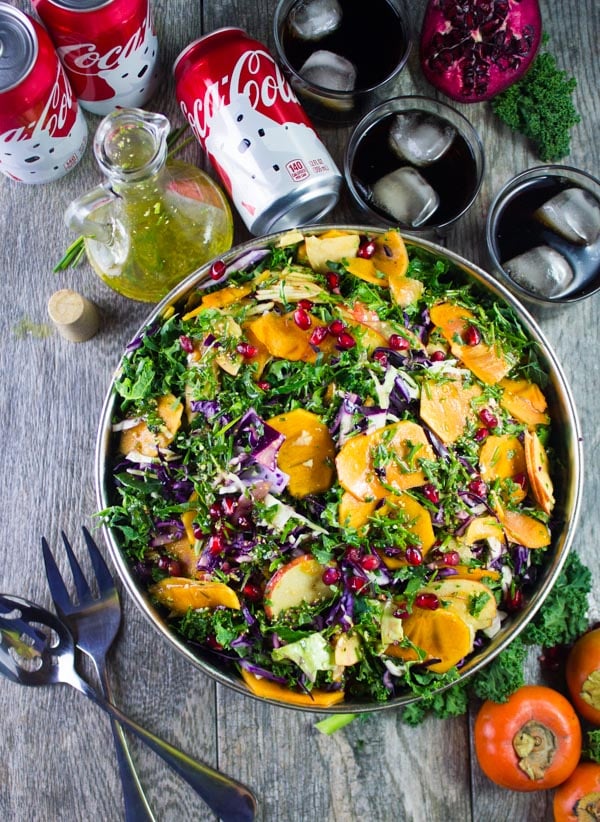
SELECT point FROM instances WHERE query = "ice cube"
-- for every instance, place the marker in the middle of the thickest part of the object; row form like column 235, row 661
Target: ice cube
column 315, row 19
column 419, row 138
column 330, row 71
column 574, row 214
column 542, row 270
column 406, row 196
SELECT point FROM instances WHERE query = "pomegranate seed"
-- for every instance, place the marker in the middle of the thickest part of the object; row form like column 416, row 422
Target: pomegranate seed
column 174, row 568
column 215, row 510
column 401, row 612
column 186, row 344
column 478, row 487
column 366, row 249
column 429, row 602
column 346, row 341
column 451, row 558
column 228, row 506
column 331, row 576
column 305, row 305
column 472, row 335
column 381, row 358
column 520, row 479
column 302, row 319
column 198, row 532
column 398, row 342
column 553, row 659
column 356, row 584
column 333, row 281
column 215, row 544
column 336, row 327
column 252, row 592
column 246, row 350
column 370, row 562
column 488, row 419
column 211, row 641
column 480, row 434
column 437, row 356
column 513, row 600
column 217, row 270
column 318, row 335
column 263, row 385
column 414, row 555
column 431, row 493
column 352, row 555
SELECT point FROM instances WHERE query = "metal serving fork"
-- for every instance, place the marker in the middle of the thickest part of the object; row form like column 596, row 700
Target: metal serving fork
column 94, row 622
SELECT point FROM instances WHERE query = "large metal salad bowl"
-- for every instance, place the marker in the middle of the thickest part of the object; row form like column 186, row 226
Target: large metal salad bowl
column 565, row 446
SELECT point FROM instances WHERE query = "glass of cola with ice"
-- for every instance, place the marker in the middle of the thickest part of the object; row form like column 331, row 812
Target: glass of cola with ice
column 416, row 163
column 543, row 235
column 340, row 56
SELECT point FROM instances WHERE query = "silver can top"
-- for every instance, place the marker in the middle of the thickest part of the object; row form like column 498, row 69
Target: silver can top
column 18, row 46
column 80, row 5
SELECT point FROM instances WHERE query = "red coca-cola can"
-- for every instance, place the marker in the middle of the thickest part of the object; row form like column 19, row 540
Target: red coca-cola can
column 257, row 136
column 43, row 133
column 109, row 49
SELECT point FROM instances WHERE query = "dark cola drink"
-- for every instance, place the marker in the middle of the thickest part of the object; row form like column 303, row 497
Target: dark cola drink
column 547, row 236
column 339, row 54
column 411, row 166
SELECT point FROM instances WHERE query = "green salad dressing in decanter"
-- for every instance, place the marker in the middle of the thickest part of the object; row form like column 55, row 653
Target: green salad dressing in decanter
column 154, row 220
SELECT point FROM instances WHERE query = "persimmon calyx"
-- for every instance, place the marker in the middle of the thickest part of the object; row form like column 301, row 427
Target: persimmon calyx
column 590, row 690
column 535, row 745
column 587, row 807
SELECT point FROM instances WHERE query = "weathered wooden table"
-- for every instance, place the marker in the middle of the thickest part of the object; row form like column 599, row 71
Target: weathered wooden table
column 56, row 759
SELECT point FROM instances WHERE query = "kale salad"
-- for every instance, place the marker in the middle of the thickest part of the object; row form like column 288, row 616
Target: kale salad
column 331, row 468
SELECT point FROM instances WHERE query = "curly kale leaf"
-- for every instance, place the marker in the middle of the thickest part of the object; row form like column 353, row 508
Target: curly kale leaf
column 563, row 616
column 503, row 675
column 540, row 107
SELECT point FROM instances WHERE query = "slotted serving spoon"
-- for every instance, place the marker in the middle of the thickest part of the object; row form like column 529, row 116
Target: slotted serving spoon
column 36, row 648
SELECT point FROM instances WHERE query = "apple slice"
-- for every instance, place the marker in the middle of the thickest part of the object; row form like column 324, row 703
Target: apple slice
column 470, row 599
column 300, row 580
column 325, row 249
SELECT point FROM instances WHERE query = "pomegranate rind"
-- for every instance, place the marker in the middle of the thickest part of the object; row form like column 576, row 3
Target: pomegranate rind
column 472, row 51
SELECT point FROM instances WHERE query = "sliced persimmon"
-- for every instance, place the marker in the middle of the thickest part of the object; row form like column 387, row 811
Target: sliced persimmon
column 538, row 472
column 364, row 269
column 180, row 594
column 471, row 599
column 525, row 401
column 501, row 457
column 267, row 689
column 354, row 512
column 416, row 519
column 282, row 338
column 446, row 407
column 307, row 453
column 488, row 363
column 405, row 290
column 441, row 633
column 523, row 529
column 391, row 256
column 480, row 528
column 143, row 439
column 370, row 466
column 474, row 572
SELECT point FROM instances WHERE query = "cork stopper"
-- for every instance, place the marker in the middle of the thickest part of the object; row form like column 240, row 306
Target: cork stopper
column 75, row 317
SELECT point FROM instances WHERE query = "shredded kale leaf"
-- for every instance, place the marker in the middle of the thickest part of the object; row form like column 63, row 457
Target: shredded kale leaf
column 540, row 107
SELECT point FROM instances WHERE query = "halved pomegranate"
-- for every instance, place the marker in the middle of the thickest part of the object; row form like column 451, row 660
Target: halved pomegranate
column 474, row 49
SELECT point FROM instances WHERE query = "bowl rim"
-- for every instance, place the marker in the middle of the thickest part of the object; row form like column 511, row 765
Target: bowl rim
column 559, row 551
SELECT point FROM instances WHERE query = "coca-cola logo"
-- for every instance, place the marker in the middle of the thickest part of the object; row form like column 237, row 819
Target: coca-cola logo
column 256, row 81
column 57, row 117
column 89, row 58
